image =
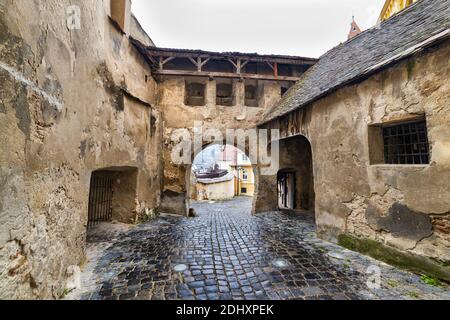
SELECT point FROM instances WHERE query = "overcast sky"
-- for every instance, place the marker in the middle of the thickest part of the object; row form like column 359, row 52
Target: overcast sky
column 294, row 27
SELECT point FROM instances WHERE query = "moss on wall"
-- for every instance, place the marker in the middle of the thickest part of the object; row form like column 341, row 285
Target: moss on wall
column 395, row 257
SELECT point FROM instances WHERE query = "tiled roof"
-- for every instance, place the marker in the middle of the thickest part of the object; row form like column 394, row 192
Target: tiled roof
column 416, row 27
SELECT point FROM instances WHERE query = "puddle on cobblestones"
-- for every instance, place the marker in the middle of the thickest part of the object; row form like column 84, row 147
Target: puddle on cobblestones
column 180, row 268
column 280, row 263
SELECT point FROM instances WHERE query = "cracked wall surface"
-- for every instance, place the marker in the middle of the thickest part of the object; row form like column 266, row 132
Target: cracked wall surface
column 71, row 102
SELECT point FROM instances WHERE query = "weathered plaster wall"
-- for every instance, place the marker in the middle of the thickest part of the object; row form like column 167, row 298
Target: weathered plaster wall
column 404, row 207
column 71, row 102
column 177, row 115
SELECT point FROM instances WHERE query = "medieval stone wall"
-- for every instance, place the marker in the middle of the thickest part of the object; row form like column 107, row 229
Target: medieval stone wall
column 177, row 115
column 72, row 101
column 406, row 207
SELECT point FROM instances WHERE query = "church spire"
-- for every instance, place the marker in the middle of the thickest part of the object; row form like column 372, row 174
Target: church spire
column 355, row 29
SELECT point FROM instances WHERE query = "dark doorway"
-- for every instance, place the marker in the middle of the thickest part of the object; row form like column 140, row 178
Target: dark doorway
column 112, row 196
column 286, row 190
column 100, row 198
column 296, row 178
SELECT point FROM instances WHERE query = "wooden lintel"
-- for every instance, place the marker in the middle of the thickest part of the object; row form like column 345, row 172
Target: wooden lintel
column 224, row 75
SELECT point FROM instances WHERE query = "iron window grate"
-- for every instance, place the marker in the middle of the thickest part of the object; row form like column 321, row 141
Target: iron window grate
column 100, row 199
column 406, row 143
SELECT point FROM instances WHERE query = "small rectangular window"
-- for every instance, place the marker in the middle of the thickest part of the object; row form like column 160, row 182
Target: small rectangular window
column 253, row 93
column 245, row 175
column 225, row 94
column 406, row 143
column 244, row 190
column 195, row 94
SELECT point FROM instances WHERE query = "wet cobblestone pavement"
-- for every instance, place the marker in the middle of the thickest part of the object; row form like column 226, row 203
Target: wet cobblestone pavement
column 231, row 255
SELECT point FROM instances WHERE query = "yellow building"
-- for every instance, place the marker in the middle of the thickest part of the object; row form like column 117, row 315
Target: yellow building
column 239, row 163
column 392, row 7
column 244, row 181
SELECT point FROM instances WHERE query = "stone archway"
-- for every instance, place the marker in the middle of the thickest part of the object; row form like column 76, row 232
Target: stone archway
column 204, row 147
column 296, row 175
column 176, row 200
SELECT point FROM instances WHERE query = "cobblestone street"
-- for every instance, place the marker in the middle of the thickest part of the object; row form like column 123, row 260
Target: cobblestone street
column 229, row 254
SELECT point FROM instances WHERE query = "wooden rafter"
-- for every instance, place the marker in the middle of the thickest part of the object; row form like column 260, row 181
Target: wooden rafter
column 274, row 67
column 284, row 60
column 158, row 58
column 163, row 61
column 202, row 63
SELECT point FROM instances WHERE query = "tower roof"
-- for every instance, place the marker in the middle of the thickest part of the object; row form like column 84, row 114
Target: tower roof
column 354, row 30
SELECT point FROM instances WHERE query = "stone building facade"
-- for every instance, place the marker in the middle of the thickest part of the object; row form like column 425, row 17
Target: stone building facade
column 75, row 98
column 90, row 105
column 375, row 114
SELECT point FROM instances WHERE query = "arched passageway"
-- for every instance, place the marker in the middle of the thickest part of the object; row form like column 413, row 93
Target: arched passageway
column 292, row 188
column 221, row 173
column 295, row 180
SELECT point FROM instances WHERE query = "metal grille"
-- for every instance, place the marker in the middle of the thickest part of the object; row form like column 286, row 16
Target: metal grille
column 100, row 198
column 406, row 143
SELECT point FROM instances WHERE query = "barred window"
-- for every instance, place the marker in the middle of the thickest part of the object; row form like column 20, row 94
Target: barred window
column 406, row 143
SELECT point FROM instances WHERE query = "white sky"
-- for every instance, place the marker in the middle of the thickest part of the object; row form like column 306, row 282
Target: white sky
column 294, row 27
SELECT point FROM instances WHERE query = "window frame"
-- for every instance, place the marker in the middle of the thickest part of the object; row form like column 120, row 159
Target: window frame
column 188, row 97
column 400, row 143
column 231, row 97
column 245, row 175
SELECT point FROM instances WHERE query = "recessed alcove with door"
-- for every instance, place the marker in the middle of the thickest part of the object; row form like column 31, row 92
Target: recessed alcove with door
column 112, row 195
